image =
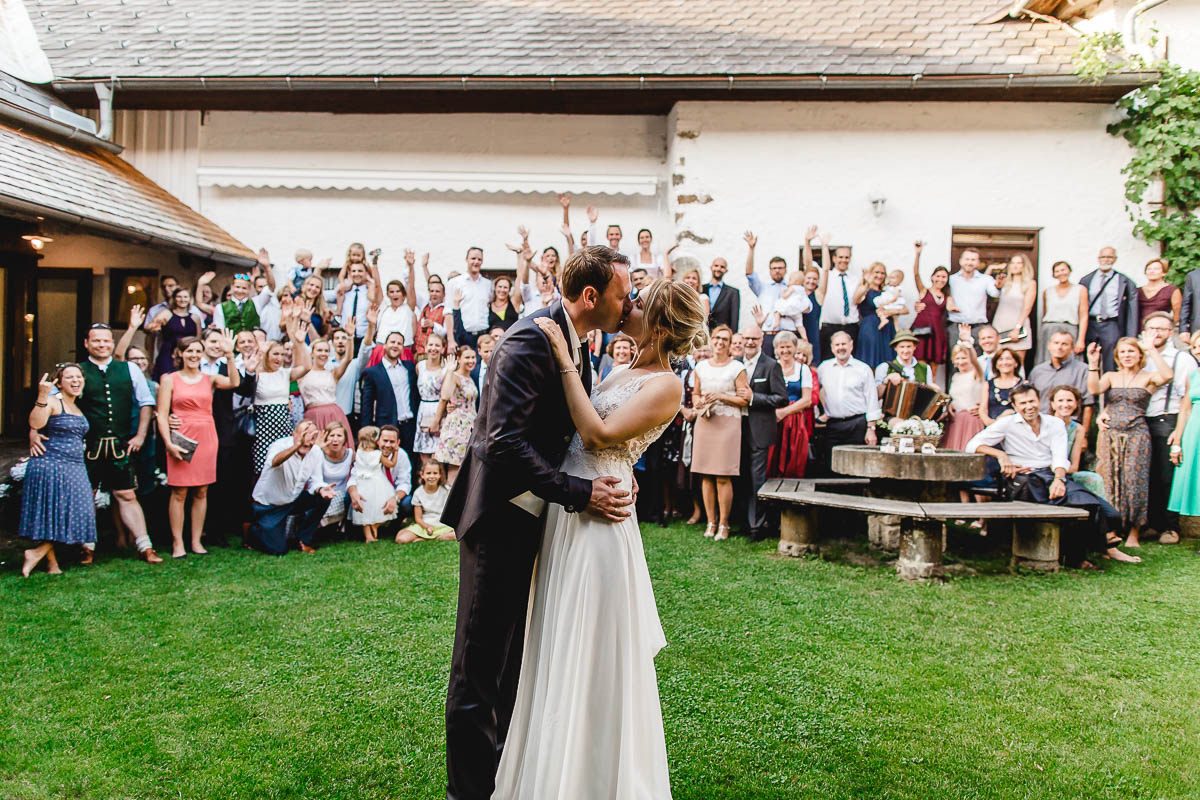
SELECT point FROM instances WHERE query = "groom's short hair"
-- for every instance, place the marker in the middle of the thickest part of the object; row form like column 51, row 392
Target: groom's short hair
column 589, row 266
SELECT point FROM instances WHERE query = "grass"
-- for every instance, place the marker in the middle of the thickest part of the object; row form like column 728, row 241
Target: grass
column 243, row 676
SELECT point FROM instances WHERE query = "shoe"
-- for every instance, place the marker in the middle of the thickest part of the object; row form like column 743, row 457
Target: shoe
column 1168, row 537
column 150, row 557
column 758, row 535
column 304, row 548
column 722, row 533
column 664, row 522
column 87, row 558
column 710, row 531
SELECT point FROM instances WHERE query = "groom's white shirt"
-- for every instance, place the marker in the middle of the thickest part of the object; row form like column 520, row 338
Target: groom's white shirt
column 528, row 500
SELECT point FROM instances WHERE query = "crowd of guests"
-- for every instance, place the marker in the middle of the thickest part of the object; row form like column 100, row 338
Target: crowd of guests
column 309, row 409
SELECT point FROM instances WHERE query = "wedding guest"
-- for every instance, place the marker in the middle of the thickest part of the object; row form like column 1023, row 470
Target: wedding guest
column 724, row 301
column 347, row 391
column 187, row 395
column 270, row 316
column 1162, row 415
column 431, row 373
column 432, row 317
column 905, row 366
column 657, row 265
column 1063, row 368
column 688, row 480
column 398, row 315
column 789, row 456
column 769, row 293
column 359, row 288
column 241, row 312
column 57, row 506
column 1065, row 402
column 303, row 269
column 736, row 350
column 839, row 310
column 989, row 345
column 760, row 426
column 720, row 391
column 486, row 345
column 966, row 390
column 1064, row 308
column 399, row 475
column 1189, row 309
column 371, row 497
column 428, row 500
column 337, row 459
column 996, row 399
column 285, row 489
column 318, row 387
column 1112, row 306
column 205, row 298
column 233, row 415
column 117, row 404
column 538, row 291
column 1034, row 457
column 455, row 414
column 1124, row 447
column 620, row 352
column 145, row 460
column 970, row 290
column 812, row 317
column 387, row 391
column 471, row 294
column 1185, row 447
column 173, row 323
column 1158, row 295
column 929, row 326
column 692, row 279
column 790, row 310
column 312, row 293
column 272, row 392
column 876, row 326
column 1017, row 296
column 849, row 398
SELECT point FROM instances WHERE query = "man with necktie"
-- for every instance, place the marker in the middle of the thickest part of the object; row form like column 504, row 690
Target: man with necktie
column 839, row 314
column 355, row 298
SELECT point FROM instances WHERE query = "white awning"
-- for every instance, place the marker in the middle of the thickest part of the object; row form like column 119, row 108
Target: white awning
column 420, row 181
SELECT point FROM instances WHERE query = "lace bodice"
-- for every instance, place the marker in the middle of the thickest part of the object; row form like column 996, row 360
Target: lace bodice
column 610, row 395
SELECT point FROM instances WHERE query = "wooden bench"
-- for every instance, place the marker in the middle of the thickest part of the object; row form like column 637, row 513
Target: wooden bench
column 922, row 529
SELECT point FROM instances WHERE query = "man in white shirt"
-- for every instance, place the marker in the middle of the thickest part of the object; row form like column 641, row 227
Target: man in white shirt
column 1035, row 458
column 1161, row 415
column 470, row 296
column 970, row 289
column 291, row 465
column 612, row 235
column 400, row 476
column 355, row 298
column 849, row 398
column 839, row 314
column 989, row 344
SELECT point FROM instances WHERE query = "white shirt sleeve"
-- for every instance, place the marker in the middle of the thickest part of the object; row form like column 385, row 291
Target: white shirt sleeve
column 992, row 435
column 219, row 316
column 874, row 413
column 141, row 389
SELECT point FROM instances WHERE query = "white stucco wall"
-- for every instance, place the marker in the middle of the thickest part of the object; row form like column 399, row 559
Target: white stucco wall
column 1178, row 25
column 443, row 223
column 776, row 168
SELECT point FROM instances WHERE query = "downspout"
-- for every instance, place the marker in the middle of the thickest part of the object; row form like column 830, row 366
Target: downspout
column 104, row 94
column 1129, row 28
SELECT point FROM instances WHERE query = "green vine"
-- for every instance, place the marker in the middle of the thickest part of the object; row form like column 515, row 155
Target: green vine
column 1161, row 122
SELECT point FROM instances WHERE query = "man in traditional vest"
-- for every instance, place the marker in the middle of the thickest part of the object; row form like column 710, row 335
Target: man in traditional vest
column 111, row 391
column 904, row 367
column 241, row 312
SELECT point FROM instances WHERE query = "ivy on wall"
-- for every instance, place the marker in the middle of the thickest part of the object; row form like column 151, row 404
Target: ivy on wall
column 1161, row 122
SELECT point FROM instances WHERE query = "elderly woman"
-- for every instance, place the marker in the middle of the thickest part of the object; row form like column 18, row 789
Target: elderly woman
column 789, row 457
column 620, row 354
column 720, row 391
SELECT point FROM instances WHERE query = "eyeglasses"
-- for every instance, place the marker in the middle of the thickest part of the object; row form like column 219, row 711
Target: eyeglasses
column 138, row 359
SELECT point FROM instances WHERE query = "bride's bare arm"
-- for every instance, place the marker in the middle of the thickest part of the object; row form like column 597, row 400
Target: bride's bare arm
column 657, row 403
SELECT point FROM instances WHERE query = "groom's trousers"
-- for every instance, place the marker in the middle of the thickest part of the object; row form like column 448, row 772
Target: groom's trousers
column 495, row 570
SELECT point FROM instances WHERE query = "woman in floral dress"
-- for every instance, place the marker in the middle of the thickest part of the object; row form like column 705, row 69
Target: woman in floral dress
column 455, row 415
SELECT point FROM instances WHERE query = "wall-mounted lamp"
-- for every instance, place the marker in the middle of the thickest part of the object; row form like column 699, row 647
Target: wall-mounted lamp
column 37, row 240
column 877, row 202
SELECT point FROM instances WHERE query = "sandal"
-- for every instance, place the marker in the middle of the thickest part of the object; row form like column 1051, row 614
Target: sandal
column 709, row 531
column 722, row 533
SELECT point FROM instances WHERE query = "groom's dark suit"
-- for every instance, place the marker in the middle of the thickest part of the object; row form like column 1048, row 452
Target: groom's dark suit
column 519, row 440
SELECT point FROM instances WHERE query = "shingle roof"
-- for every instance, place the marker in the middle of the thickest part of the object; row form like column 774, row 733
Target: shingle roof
column 100, row 190
column 261, row 38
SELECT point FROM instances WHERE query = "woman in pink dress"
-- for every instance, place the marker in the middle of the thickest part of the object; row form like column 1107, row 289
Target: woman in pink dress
column 186, row 394
column 319, row 386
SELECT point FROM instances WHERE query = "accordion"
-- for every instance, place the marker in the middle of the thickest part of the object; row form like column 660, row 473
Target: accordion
column 910, row 399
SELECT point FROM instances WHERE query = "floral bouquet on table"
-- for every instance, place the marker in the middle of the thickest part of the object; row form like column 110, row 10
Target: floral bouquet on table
column 921, row 431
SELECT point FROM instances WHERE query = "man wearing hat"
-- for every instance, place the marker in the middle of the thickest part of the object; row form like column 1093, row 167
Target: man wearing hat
column 905, row 366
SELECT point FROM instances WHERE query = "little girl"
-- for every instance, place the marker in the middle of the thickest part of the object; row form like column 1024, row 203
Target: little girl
column 891, row 298
column 371, row 488
column 428, row 501
column 793, row 303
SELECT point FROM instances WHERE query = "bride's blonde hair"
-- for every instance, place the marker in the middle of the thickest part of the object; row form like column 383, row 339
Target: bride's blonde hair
column 674, row 308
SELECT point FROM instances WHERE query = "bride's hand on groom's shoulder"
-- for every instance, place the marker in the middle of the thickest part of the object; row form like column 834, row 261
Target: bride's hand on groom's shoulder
column 558, row 342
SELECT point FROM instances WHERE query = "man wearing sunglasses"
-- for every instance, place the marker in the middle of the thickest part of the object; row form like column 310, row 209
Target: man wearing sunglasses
column 241, row 312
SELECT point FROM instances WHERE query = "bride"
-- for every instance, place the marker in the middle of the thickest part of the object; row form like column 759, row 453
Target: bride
column 587, row 721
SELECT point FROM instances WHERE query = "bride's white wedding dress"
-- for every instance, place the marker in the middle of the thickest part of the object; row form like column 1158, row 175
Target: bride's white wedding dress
column 587, row 724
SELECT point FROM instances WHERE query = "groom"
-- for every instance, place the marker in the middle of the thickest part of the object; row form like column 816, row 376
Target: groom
column 509, row 474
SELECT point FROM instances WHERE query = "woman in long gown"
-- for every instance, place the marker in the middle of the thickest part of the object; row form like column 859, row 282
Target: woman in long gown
column 874, row 344
column 929, row 326
column 587, row 723
column 1124, row 449
column 1017, row 296
column 1185, row 448
column 788, row 457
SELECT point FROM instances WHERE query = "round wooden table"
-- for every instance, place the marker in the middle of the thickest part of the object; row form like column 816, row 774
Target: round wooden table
column 919, row 477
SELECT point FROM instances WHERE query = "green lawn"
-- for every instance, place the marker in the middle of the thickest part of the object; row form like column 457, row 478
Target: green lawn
column 322, row 676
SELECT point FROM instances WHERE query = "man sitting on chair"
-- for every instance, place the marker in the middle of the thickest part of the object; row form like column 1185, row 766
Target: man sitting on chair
column 1035, row 459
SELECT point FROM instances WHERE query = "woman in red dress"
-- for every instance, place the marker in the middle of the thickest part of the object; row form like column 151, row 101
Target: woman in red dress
column 187, row 395
column 933, row 304
column 789, row 457
column 1157, row 294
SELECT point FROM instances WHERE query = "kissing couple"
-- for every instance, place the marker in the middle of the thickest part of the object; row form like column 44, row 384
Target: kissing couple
column 553, row 692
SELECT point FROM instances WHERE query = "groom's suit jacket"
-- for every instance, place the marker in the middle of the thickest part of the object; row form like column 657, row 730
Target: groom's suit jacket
column 521, row 433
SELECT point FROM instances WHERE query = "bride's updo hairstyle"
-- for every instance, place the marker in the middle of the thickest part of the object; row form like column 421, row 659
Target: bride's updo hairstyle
column 674, row 308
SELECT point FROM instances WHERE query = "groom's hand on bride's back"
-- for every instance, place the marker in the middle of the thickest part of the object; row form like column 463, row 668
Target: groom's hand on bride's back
column 609, row 499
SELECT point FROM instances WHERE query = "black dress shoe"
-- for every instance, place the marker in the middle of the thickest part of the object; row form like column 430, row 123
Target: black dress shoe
column 757, row 535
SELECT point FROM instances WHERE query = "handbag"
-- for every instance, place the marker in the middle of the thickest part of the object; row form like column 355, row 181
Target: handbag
column 243, row 421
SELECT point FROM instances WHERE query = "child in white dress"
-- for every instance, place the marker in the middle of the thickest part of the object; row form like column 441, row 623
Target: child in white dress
column 428, row 502
column 891, row 298
column 372, row 488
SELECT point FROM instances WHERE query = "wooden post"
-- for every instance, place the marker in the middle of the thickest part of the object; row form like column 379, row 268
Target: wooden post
column 883, row 531
column 797, row 531
column 1035, row 545
column 920, row 549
